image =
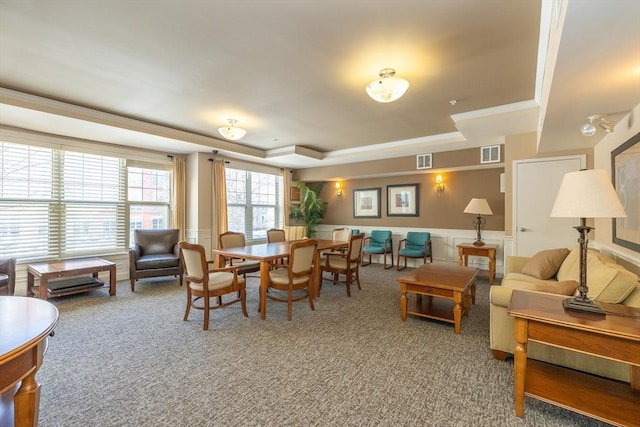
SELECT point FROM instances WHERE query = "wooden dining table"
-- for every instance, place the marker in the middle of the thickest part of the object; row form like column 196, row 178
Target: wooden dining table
column 266, row 253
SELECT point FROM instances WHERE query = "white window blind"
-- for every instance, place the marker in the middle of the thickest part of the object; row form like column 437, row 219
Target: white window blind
column 59, row 204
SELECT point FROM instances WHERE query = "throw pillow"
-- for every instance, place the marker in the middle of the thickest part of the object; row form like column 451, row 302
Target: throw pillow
column 545, row 264
column 609, row 283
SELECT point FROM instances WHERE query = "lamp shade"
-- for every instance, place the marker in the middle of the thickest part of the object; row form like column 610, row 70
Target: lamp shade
column 587, row 194
column 478, row 207
column 387, row 88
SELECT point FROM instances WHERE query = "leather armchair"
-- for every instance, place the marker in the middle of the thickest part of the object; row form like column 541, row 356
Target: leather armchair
column 7, row 276
column 154, row 253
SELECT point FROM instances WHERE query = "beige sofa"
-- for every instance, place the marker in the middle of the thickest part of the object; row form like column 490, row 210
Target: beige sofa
column 607, row 282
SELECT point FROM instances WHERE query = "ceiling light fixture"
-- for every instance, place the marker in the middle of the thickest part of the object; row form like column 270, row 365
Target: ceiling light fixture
column 387, row 88
column 232, row 132
column 589, row 127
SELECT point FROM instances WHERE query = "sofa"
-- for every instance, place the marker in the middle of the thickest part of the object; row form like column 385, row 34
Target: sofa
column 557, row 271
column 154, row 253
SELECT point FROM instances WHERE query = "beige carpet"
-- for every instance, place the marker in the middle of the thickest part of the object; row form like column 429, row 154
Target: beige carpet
column 130, row 360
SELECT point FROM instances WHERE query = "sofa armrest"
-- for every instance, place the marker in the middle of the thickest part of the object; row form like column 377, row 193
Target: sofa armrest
column 500, row 296
column 515, row 264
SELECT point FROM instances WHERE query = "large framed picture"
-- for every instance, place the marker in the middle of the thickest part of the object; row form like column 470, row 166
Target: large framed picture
column 625, row 173
column 402, row 200
column 366, row 203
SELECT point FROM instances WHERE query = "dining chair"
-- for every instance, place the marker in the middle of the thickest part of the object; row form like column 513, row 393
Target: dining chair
column 276, row 235
column 233, row 239
column 347, row 263
column 379, row 243
column 297, row 275
column 206, row 283
column 416, row 244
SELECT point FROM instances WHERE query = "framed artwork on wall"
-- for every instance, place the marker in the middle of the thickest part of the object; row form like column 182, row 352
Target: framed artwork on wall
column 366, row 203
column 402, row 200
column 625, row 174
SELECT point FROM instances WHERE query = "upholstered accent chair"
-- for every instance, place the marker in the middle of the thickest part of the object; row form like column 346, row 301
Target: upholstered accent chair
column 275, row 235
column 296, row 276
column 379, row 243
column 154, row 253
column 205, row 283
column 347, row 263
column 7, row 276
column 416, row 244
column 232, row 239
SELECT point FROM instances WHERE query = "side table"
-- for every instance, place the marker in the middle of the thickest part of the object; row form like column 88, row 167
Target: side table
column 68, row 268
column 488, row 251
column 541, row 318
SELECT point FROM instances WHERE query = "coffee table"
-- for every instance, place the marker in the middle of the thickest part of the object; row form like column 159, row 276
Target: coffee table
column 69, row 269
column 449, row 290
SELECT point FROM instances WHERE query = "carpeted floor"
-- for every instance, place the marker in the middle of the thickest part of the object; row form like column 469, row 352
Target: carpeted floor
column 130, row 360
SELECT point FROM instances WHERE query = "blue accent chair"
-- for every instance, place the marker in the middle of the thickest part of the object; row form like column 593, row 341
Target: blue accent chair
column 416, row 245
column 379, row 243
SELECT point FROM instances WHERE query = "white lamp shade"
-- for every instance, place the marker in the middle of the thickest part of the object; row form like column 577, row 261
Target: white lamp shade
column 587, row 194
column 232, row 132
column 478, row 207
column 387, row 89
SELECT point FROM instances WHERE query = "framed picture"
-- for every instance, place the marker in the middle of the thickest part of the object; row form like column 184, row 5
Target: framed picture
column 402, row 200
column 625, row 174
column 366, row 203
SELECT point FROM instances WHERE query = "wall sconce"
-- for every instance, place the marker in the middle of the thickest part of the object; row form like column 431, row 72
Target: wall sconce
column 338, row 189
column 439, row 185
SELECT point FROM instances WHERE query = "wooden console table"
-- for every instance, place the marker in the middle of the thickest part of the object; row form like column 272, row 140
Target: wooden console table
column 69, row 268
column 541, row 318
column 25, row 325
column 488, row 251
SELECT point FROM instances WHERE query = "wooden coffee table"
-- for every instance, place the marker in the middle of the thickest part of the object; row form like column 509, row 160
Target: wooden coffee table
column 69, row 269
column 450, row 290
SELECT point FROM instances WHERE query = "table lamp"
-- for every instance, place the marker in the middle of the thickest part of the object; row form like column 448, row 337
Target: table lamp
column 586, row 194
column 478, row 207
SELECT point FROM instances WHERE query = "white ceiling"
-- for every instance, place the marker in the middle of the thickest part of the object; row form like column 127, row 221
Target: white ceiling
column 165, row 75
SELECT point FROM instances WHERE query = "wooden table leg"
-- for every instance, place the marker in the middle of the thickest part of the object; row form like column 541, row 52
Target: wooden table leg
column 30, row 282
column 457, row 311
column 264, row 280
column 27, row 401
column 520, row 363
column 112, row 280
column 634, row 377
column 492, row 267
column 460, row 251
column 43, row 288
column 403, row 302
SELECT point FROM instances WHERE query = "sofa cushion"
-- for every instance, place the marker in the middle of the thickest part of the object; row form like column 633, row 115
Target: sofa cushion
column 564, row 287
column 148, row 262
column 545, row 264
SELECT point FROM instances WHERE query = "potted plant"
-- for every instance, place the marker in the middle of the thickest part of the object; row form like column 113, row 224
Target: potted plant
column 311, row 209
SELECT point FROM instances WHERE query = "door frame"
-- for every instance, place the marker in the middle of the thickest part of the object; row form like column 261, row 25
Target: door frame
column 582, row 158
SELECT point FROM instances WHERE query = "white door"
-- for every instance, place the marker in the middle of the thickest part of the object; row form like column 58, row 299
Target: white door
column 536, row 183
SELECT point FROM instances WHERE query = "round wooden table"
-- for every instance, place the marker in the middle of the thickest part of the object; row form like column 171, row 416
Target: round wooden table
column 25, row 325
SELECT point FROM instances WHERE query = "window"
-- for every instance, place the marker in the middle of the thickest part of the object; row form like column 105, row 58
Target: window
column 423, row 161
column 58, row 204
column 254, row 202
column 149, row 198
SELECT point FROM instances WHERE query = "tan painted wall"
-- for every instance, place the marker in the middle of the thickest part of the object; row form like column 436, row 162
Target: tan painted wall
column 434, row 212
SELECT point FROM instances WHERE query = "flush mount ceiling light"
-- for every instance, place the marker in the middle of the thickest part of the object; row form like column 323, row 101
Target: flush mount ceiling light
column 387, row 88
column 589, row 128
column 232, row 132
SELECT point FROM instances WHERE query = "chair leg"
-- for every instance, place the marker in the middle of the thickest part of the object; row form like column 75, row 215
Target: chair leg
column 133, row 285
column 205, row 326
column 310, row 299
column 186, row 311
column 289, row 303
column 243, row 302
column 357, row 273
column 348, row 285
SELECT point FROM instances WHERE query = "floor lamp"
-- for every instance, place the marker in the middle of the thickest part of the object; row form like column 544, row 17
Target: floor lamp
column 586, row 194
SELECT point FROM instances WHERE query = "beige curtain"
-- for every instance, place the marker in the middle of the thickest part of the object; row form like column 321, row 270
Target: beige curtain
column 219, row 198
column 179, row 196
column 287, row 182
